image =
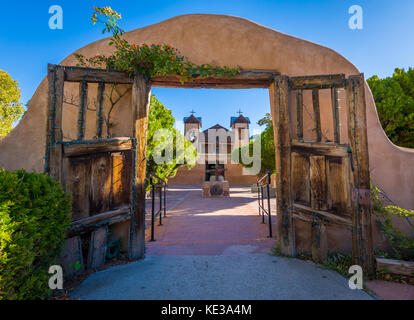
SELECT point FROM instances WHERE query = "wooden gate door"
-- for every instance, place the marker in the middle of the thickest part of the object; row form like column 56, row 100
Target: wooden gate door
column 322, row 181
column 105, row 176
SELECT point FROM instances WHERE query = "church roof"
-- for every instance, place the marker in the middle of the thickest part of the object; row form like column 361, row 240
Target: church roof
column 216, row 127
column 192, row 119
column 239, row 119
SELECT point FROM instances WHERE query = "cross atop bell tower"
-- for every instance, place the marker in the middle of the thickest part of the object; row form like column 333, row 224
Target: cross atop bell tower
column 192, row 126
column 240, row 127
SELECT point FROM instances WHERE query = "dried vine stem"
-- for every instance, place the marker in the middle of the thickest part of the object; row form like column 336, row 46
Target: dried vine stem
column 73, row 100
column 113, row 103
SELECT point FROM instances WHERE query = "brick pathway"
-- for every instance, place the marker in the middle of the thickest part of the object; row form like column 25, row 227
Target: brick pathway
column 212, row 226
column 390, row 290
column 214, row 248
column 175, row 195
column 225, row 226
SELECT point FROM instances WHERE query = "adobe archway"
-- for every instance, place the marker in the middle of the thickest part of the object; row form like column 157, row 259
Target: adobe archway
column 231, row 41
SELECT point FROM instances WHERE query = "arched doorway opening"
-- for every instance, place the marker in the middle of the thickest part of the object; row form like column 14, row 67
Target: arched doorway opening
column 308, row 173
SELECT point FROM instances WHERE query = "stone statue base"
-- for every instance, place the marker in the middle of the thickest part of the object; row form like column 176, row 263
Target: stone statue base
column 216, row 189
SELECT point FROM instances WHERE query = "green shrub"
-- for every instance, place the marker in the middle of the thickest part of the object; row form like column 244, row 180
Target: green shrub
column 401, row 243
column 34, row 216
column 340, row 262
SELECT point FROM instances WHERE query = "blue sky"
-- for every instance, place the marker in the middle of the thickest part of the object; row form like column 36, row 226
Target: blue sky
column 385, row 42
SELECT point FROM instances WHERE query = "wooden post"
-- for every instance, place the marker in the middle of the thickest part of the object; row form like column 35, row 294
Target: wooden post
column 299, row 113
column 141, row 93
column 279, row 99
column 335, row 115
column 319, row 241
column 317, row 114
column 53, row 161
column 100, row 110
column 362, row 248
column 71, row 258
column 83, row 98
column 318, row 183
column 97, row 248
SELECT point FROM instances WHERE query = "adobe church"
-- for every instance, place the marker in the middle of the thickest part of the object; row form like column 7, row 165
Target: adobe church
column 214, row 146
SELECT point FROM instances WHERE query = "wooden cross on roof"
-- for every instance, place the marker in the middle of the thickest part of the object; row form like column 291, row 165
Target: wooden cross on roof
column 192, row 111
column 239, row 112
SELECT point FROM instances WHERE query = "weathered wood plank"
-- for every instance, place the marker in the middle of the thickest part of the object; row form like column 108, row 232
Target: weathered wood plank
column 245, row 79
column 99, row 217
column 335, row 114
column 97, row 248
column 405, row 268
column 317, row 114
column 141, row 93
column 94, row 146
column 300, row 179
column 326, row 216
column 71, row 258
column 53, row 164
column 322, row 149
column 302, row 217
column 319, row 241
column 318, row 183
column 83, row 103
column 317, row 81
column 77, row 74
column 362, row 248
column 77, row 182
column 116, row 184
column 93, row 222
column 121, row 178
column 299, row 114
column 100, row 175
column 279, row 103
column 337, row 173
column 100, row 109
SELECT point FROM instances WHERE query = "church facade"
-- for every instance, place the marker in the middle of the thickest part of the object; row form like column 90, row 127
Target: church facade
column 214, row 146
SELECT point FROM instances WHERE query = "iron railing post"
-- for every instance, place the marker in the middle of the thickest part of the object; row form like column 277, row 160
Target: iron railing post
column 160, row 205
column 165, row 199
column 152, row 209
column 262, row 200
column 268, row 204
column 263, row 182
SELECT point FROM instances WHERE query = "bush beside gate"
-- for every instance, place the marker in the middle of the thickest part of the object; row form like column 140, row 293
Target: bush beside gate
column 34, row 216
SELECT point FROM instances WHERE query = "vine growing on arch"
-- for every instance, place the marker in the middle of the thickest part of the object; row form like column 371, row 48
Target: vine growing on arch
column 150, row 60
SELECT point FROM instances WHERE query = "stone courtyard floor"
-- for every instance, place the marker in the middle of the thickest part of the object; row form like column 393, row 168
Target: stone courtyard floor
column 212, row 226
column 214, row 248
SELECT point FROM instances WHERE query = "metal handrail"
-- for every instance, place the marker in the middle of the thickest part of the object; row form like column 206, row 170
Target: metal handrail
column 261, row 184
column 157, row 177
column 162, row 187
column 264, row 177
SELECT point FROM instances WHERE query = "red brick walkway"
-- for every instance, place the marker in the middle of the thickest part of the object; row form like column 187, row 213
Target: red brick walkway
column 391, row 290
column 212, row 226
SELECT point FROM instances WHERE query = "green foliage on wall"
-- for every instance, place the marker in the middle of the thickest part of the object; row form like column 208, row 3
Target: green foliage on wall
column 34, row 216
column 160, row 117
column 10, row 106
column 150, row 60
column 394, row 97
column 402, row 244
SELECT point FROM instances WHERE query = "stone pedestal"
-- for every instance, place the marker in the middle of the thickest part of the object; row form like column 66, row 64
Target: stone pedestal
column 216, row 189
